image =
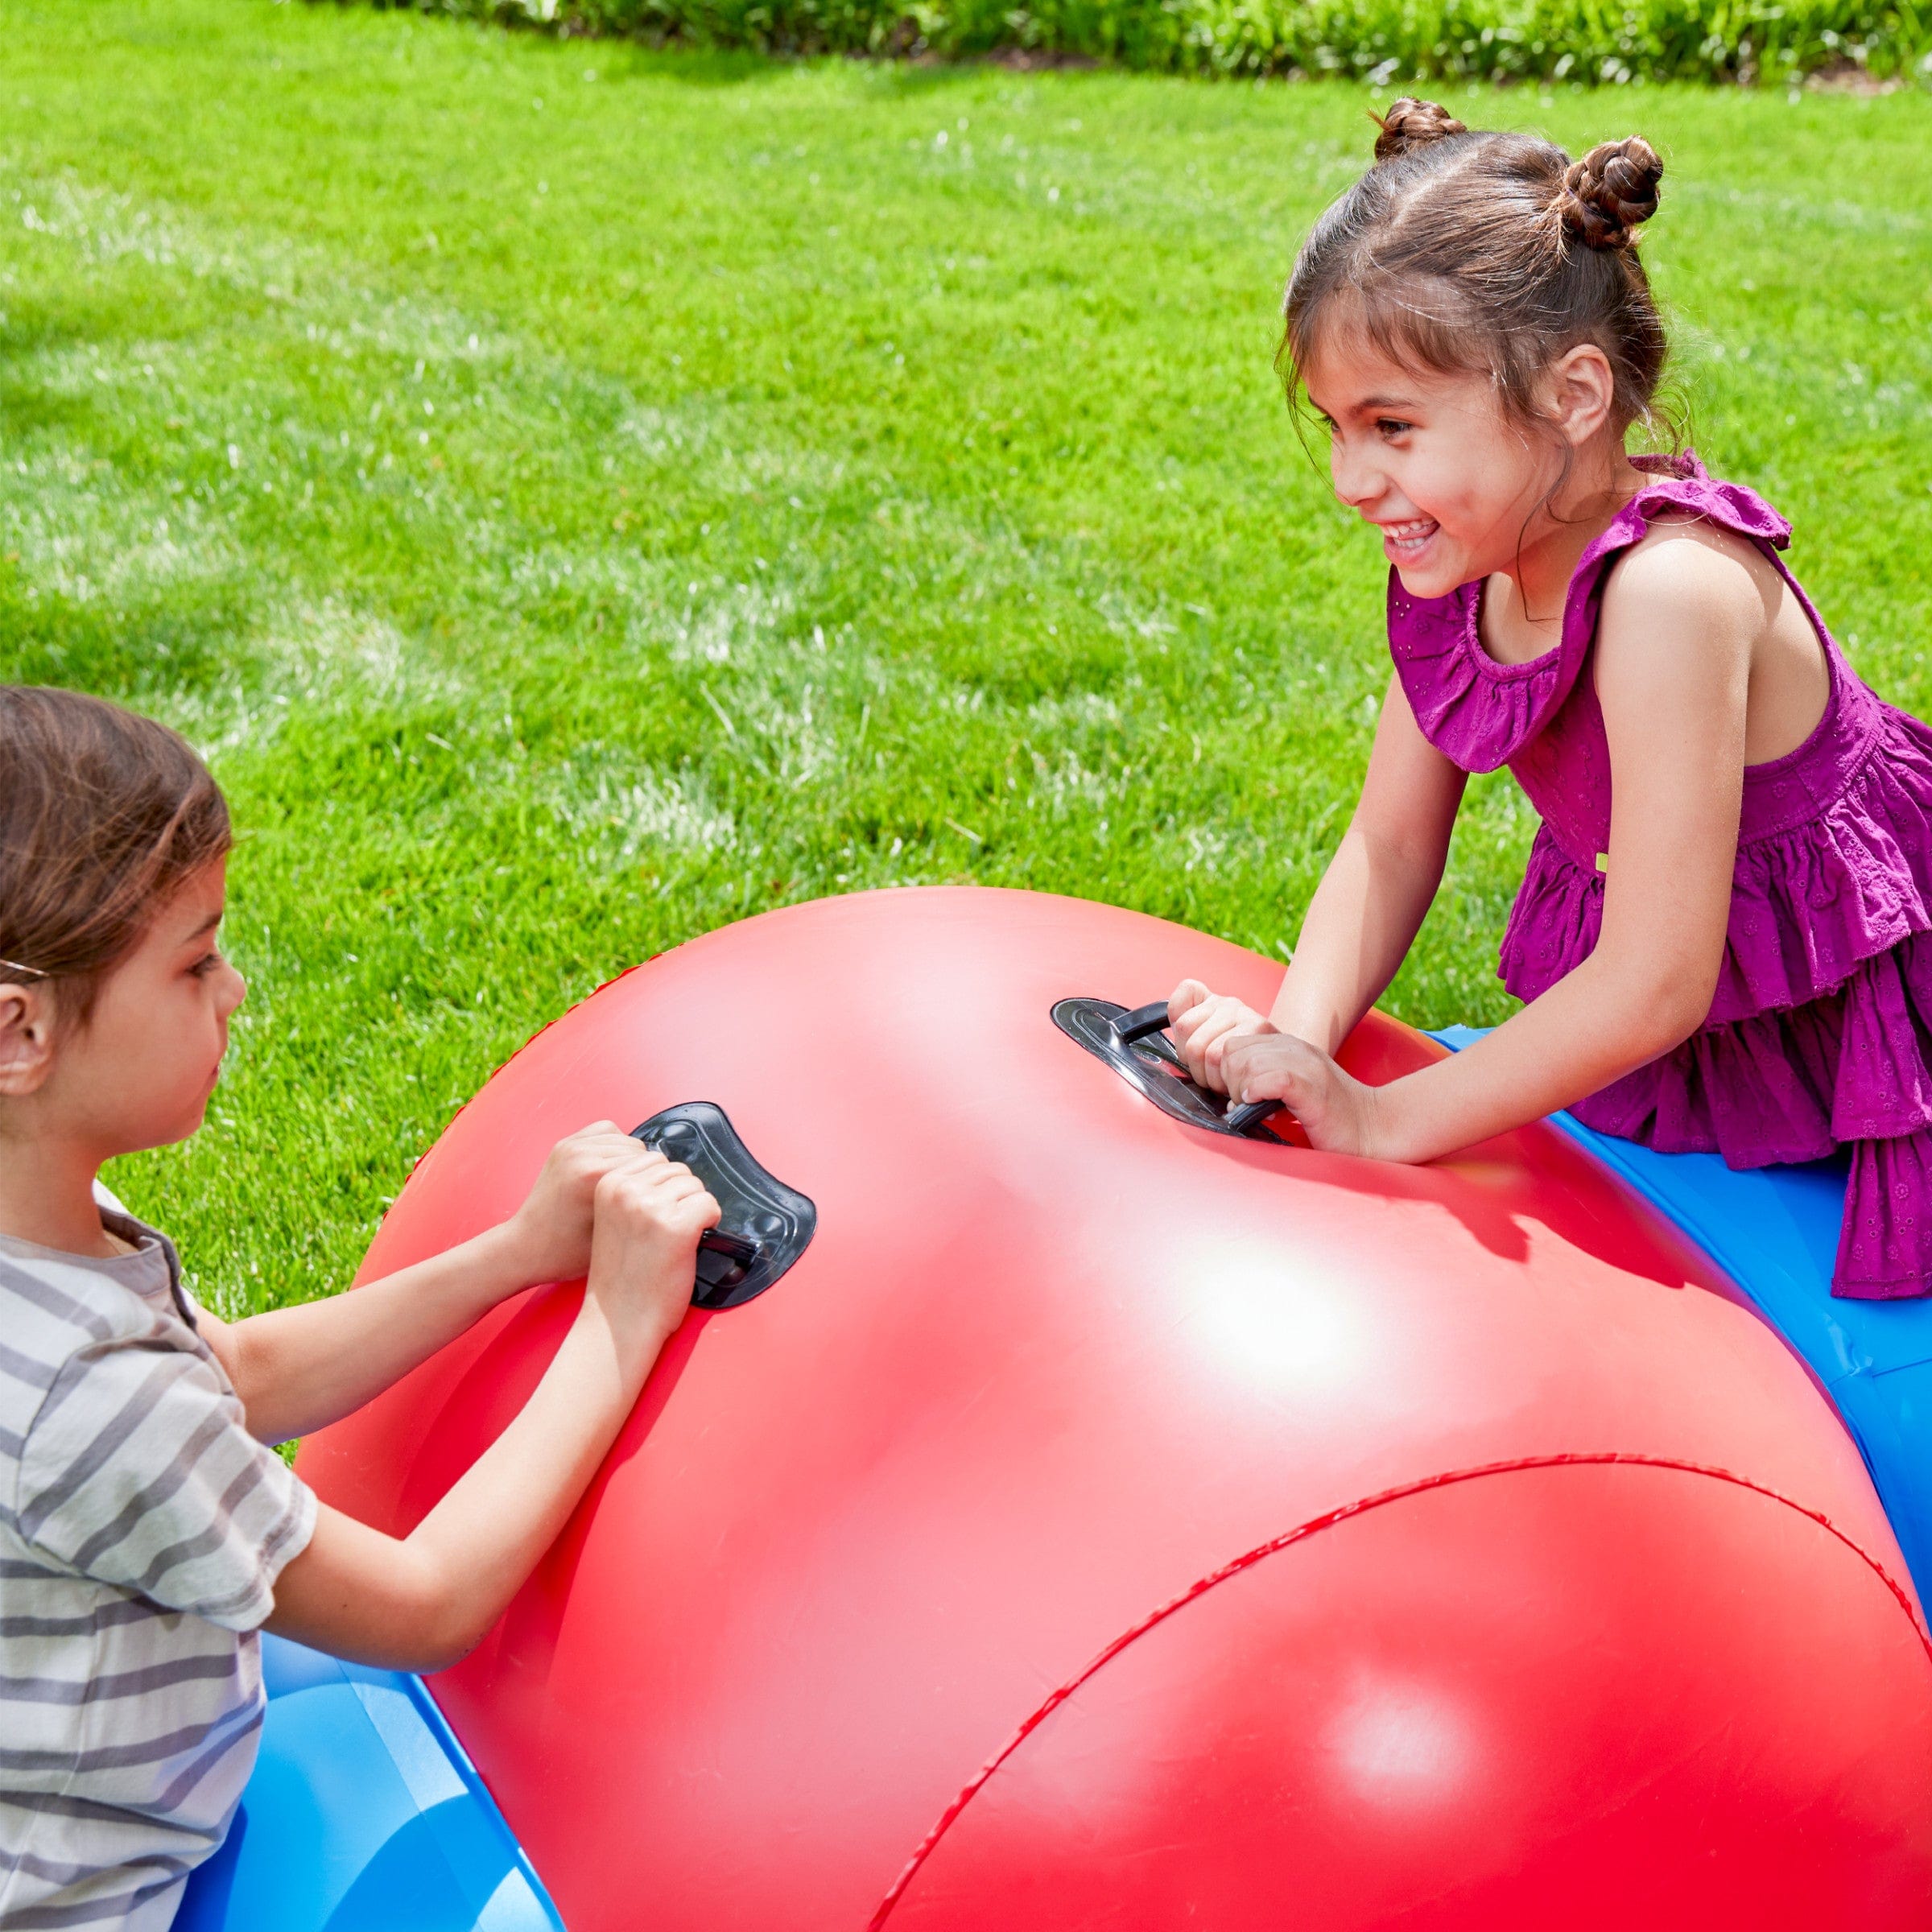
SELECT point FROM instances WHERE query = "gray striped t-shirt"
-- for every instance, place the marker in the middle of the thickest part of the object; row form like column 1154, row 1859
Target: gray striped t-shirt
column 142, row 1530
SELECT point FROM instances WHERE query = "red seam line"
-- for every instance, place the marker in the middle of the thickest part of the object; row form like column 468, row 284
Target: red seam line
column 930, row 1842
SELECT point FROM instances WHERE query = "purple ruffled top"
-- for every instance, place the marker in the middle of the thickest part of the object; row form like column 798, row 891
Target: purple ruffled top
column 1820, row 1034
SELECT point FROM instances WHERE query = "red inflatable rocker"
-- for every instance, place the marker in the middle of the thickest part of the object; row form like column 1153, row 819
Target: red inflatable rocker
column 1072, row 1513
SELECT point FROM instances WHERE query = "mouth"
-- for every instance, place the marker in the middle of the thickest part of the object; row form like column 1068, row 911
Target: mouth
column 1408, row 538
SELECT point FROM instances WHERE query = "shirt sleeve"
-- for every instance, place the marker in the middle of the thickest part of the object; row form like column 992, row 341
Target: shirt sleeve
column 139, row 1471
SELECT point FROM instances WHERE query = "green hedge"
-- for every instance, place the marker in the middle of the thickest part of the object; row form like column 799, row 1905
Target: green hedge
column 1389, row 41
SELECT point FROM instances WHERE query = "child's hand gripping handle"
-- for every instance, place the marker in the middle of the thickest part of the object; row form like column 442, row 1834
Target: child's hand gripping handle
column 1145, row 1020
column 764, row 1225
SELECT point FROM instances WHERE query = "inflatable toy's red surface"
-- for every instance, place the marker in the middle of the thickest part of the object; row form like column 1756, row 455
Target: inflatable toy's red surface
column 1108, row 1523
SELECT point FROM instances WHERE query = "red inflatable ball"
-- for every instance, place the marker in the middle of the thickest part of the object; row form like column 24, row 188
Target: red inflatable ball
column 1112, row 1522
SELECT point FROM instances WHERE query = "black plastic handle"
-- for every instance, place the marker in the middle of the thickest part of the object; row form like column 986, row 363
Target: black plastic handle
column 1133, row 1042
column 735, row 1247
column 1142, row 1021
column 1245, row 1119
column 766, row 1225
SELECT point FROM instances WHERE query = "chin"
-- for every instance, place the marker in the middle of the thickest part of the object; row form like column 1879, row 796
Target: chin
column 184, row 1128
column 1427, row 578
column 1423, row 580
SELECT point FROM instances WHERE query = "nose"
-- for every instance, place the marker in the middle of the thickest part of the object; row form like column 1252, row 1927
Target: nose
column 1356, row 476
column 234, row 993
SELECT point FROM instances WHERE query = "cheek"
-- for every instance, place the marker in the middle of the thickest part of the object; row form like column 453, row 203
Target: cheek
column 1467, row 496
column 199, row 1036
column 1432, row 480
column 1503, row 472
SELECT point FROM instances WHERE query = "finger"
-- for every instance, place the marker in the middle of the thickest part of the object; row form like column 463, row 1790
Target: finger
column 1259, row 1067
column 1217, row 1022
column 1214, row 1052
column 588, row 1155
column 626, row 1187
column 664, row 1182
column 634, row 1157
column 675, row 1191
column 1224, row 1018
column 611, row 1151
column 1199, row 1016
column 1260, row 1084
column 689, row 1216
column 1189, row 993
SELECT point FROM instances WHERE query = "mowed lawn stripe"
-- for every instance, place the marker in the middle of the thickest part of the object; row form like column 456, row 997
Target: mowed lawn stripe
column 579, row 496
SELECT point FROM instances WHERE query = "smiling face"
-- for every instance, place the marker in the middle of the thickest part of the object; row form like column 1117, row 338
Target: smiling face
column 1456, row 487
column 138, row 1071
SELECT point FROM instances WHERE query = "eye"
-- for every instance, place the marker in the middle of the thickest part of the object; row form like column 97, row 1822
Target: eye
column 206, row 964
column 1391, row 427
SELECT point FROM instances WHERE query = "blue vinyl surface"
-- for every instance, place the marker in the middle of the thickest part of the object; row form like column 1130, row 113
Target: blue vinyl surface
column 363, row 1815
column 1774, row 1231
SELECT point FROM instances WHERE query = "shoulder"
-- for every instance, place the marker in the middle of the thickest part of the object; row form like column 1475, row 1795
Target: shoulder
column 134, row 1387
column 54, row 1320
column 1686, row 571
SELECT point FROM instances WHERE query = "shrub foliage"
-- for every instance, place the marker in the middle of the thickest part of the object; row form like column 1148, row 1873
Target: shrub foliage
column 1593, row 41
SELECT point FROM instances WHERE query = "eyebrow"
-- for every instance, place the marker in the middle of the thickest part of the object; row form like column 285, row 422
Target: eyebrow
column 1366, row 406
column 206, row 926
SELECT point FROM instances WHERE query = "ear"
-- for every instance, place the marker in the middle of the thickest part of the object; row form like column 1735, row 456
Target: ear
column 26, row 1039
column 1582, row 392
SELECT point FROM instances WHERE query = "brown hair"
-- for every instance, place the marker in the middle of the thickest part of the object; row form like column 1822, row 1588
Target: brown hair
column 104, row 814
column 1486, row 253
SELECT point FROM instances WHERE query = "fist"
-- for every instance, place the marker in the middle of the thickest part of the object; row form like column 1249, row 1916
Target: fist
column 644, row 1246
column 1203, row 1024
column 551, row 1231
column 1339, row 1113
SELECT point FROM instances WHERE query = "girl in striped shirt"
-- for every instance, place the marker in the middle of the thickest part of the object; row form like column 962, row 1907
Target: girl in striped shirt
column 147, row 1530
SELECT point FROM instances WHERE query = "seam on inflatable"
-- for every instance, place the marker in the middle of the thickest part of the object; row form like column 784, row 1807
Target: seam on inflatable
column 1328, row 1521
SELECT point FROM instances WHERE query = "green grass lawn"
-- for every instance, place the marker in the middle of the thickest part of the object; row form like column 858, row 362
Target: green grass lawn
column 578, row 497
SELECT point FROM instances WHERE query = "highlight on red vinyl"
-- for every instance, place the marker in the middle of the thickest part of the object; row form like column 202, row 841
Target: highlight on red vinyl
column 1109, row 1519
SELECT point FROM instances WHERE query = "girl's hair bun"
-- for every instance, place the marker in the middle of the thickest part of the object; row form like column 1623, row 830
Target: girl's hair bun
column 1411, row 124
column 1607, row 194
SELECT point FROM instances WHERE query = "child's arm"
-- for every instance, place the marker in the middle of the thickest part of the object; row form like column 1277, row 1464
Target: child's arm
column 1365, row 914
column 1673, row 667
column 298, row 1369
column 421, row 1602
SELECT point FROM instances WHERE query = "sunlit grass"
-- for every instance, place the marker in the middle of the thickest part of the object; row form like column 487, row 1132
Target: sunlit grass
column 578, row 497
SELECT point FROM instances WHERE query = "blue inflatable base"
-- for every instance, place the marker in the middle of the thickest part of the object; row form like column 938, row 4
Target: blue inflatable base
column 363, row 1815
column 1774, row 1231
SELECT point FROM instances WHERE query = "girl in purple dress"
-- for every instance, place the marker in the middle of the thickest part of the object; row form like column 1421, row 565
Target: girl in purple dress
column 1722, row 937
